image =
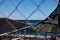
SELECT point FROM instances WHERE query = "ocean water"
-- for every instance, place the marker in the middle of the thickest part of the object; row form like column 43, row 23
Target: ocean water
column 33, row 22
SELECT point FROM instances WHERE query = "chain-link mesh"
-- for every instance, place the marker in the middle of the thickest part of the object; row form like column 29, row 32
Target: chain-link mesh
column 2, row 2
column 16, row 9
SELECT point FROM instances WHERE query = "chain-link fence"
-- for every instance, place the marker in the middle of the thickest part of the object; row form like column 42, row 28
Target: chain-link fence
column 16, row 8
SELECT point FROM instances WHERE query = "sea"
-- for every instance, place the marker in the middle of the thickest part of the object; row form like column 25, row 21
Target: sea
column 33, row 22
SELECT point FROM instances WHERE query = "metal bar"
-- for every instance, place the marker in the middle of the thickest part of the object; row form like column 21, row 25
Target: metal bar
column 2, row 2
column 2, row 13
column 11, row 12
column 16, row 7
column 19, row 11
column 39, row 8
column 10, row 23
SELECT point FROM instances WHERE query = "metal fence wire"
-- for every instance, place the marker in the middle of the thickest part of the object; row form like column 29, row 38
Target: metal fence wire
column 17, row 9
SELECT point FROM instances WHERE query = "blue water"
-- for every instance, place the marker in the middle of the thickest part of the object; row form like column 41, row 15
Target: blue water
column 33, row 22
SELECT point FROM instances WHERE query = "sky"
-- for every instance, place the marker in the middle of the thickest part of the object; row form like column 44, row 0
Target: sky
column 26, row 8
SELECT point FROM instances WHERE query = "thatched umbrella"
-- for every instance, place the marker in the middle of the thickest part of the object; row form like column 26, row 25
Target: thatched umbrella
column 8, row 25
column 50, row 25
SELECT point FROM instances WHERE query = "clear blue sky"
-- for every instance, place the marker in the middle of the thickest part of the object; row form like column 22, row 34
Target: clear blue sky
column 28, row 7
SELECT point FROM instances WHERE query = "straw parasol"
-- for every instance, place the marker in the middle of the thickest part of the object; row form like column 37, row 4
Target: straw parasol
column 8, row 25
column 50, row 25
